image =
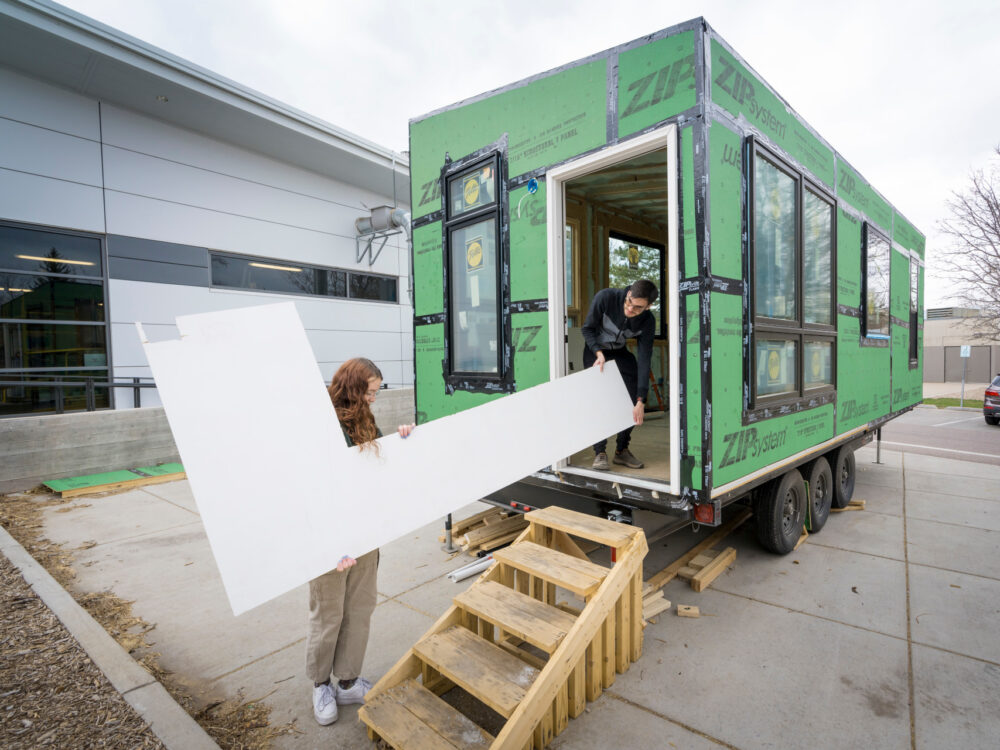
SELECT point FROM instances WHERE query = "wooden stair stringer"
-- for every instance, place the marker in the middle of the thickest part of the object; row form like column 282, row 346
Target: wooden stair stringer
column 517, row 732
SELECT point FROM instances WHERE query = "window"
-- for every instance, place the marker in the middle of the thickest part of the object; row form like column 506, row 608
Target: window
column 53, row 322
column 792, row 350
column 288, row 277
column 876, row 284
column 631, row 259
column 476, row 303
column 914, row 310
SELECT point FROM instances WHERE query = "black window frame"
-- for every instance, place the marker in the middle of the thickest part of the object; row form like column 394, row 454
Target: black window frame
column 914, row 317
column 756, row 406
column 661, row 281
column 502, row 381
column 868, row 338
column 212, row 254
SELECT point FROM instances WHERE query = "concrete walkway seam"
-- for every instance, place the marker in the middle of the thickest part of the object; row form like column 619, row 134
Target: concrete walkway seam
column 171, row 723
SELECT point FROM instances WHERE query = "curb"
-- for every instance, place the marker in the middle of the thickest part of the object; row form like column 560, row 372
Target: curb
column 170, row 723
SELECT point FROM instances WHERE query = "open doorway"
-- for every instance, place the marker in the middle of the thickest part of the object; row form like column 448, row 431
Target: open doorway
column 612, row 220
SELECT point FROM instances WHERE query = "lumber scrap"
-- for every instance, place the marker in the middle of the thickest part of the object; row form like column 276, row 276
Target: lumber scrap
column 688, row 610
column 665, row 576
column 853, row 505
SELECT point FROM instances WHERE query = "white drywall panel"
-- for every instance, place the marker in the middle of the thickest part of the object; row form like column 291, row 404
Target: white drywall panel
column 44, row 200
column 150, row 218
column 31, row 101
column 281, row 495
column 44, row 152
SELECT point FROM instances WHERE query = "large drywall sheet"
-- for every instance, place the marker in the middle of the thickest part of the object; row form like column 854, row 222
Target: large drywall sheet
column 281, row 495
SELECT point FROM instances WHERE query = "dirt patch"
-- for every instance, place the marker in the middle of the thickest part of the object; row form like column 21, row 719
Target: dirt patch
column 234, row 723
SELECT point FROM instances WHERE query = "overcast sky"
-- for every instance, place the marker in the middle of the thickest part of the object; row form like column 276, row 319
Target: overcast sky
column 907, row 92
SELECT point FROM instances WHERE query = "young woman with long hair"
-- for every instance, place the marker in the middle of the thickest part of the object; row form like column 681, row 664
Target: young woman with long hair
column 341, row 602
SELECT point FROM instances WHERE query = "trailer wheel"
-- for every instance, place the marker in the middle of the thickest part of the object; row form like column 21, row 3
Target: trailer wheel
column 820, row 493
column 781, row 512
column 843, row 476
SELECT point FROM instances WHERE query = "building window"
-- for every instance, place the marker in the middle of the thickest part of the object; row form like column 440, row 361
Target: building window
column 876, row 284
column 476, row 301
column 288, row 277
column 53, row 320
column 631, row 259
column 792, row 350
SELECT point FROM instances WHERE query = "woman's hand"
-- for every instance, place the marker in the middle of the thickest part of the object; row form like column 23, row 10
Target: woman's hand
column 638, row 412
column 406, row 429
column 345, row 563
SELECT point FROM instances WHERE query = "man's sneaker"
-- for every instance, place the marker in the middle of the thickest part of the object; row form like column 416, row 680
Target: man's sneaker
column 625, row 458
column 325, row 704
column 355, row 693
column 601, row 461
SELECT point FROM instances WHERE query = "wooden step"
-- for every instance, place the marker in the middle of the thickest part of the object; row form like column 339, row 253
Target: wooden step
column 596, row 529
column 480, row 667
column 410, row 716
column 539, row 624
column 582, row 577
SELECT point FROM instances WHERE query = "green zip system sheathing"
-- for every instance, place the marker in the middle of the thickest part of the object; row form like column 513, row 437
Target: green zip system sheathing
column 689, row 77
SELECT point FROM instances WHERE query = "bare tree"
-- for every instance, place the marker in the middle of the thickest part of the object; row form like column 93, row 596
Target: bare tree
column 972, row 259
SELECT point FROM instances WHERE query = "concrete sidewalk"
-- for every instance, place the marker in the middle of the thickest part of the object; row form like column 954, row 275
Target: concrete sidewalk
column 882, row 625
column 973, row 392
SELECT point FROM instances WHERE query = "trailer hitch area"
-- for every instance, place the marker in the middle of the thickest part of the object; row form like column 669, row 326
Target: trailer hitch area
column 620, row 516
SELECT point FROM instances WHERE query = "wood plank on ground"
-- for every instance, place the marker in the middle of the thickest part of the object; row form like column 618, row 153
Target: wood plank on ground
column 665, row 576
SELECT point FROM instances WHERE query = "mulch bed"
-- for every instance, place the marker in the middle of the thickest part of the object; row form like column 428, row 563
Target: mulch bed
column 52, row 694
column 49, row 700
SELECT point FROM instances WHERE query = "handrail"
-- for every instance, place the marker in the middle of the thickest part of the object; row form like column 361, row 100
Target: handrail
column 90, row 385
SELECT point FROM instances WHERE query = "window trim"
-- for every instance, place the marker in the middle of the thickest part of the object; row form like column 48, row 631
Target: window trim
column 759, row 407
column 477, row 382
column 914, row 316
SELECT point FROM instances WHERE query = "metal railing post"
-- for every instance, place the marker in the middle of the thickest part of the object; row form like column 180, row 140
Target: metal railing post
column 136, row 398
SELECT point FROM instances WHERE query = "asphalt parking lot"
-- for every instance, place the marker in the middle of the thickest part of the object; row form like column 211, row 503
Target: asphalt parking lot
column 877, row 632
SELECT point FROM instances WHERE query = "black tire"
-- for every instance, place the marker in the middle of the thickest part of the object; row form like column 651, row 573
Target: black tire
column 991, row 420
column 820, row 493
column 843, row 476
column 780, row 513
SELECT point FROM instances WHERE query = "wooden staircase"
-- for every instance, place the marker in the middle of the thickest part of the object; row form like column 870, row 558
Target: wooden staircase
column 508, row 643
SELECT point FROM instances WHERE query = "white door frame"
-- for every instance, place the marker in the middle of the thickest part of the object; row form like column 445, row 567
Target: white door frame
column 555, row 180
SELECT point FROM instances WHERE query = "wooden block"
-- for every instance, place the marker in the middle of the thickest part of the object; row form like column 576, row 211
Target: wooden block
column 499, row 541
column 687, row 572
column 704, row 559
column 577, row 686
column 853, row 505
column 802, row 539
column 485, row 533
column 685, row 610
column 595, row 667
column 703, row 579
column 608, row 650
column 655, row 608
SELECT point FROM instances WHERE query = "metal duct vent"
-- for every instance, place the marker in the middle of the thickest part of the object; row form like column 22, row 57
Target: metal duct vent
column 381, row 223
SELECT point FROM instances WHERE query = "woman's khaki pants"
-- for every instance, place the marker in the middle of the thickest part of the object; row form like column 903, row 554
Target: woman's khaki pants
column 340, row 612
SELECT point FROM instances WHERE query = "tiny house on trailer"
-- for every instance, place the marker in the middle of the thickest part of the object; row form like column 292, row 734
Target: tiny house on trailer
column 789, row 322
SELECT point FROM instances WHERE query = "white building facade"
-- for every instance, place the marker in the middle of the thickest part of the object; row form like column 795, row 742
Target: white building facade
column 137, row 187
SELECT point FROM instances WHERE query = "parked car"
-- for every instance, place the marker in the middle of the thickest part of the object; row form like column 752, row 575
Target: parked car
column 991, row 402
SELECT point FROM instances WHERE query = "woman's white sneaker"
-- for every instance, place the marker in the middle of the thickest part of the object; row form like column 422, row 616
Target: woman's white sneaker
column 355, row 693
column 325, row 704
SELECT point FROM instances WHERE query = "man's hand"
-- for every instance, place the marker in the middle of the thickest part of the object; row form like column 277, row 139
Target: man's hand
column 599, row 362
column 345, row 563
column 638, row 412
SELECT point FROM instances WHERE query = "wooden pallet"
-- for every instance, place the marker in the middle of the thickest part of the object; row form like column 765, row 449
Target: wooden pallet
column 508, row 643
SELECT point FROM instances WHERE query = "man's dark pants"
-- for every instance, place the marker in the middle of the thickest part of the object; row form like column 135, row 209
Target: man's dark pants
column 629, row 370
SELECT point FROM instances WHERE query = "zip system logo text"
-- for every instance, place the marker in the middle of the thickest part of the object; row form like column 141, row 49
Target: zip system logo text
column 750, row 443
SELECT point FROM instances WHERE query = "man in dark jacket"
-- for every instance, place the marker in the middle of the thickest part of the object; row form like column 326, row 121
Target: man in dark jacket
column 614, row 316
